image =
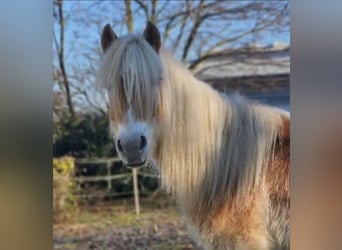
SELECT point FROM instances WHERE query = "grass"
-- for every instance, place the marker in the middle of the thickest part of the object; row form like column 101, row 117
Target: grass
column 122, row 212
column 114, row 225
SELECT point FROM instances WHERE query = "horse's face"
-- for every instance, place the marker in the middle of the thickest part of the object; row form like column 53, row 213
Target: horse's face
column 133, row 138
column 134, row 94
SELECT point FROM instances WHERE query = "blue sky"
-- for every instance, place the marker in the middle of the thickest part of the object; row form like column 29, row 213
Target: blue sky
column 85, row 19
column 108, row 11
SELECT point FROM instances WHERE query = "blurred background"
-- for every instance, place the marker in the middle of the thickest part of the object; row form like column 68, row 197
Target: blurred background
column 232, row 45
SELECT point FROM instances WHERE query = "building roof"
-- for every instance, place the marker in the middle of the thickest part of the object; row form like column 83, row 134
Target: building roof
column 252, row 60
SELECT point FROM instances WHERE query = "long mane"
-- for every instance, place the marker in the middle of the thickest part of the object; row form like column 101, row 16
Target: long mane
column 212, row 147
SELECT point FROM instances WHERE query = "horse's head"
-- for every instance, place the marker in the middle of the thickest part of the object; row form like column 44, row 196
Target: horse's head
column 132, row 74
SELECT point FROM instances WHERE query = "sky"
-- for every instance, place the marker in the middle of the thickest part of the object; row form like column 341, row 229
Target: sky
column 85, row 19
column 108, row 12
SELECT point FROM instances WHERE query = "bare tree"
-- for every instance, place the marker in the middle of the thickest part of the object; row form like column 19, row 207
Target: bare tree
column 129, row 15
column 210, row 30
column 194, row 31
column 59, row 45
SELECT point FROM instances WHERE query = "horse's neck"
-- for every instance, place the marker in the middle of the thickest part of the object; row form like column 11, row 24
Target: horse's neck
column 186, row 94
column 195, row 155
column 194, row 122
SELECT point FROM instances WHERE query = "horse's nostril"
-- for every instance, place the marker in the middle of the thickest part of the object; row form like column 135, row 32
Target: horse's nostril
column 143, row 142
column 119, row 146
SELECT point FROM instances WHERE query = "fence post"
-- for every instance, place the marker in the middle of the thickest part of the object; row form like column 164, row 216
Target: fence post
column 136, row 191
column 109, row 181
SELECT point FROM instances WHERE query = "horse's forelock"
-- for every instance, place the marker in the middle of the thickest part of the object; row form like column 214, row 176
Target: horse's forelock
column 132, row 73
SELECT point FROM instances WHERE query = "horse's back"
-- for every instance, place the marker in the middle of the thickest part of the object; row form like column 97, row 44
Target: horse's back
column 278, row 181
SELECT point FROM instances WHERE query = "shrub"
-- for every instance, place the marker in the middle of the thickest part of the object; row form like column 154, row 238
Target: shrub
column 85, row 136
column 64, row 188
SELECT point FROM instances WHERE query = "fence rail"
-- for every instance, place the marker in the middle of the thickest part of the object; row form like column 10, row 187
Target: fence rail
column 109, row 177
column 97, row 160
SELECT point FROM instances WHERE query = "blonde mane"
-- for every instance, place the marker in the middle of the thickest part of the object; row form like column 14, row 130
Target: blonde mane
column 212, row 149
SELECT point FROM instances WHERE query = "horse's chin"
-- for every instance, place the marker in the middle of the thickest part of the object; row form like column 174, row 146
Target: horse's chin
column 135, row 165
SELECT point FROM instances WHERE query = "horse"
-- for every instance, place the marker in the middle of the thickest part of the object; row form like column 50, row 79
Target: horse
column 224, row 158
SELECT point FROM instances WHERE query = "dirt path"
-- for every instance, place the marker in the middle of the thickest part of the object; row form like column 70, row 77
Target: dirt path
column 158, row 230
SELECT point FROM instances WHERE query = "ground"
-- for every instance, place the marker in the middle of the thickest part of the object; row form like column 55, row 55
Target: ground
column 118, row 227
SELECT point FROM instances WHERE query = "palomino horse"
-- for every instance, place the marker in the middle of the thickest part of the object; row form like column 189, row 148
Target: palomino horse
column 225, row 159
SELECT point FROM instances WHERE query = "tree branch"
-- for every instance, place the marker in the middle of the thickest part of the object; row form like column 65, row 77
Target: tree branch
column 129, row 16
column 182, row 28
column 198, row 21
column 166, row 3
column 154, row 11
column 61, row 58
column 168, row 28
column 193, row 10
column 144, row 7
column 235, row 52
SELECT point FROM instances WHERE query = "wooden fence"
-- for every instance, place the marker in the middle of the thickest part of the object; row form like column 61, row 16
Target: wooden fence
column 109, row 177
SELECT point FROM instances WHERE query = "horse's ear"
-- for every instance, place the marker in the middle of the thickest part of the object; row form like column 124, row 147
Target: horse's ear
column 107, row 37
column 152, row 36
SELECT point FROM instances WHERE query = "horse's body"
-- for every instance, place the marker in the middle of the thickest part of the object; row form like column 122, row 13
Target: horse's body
column 225, row 159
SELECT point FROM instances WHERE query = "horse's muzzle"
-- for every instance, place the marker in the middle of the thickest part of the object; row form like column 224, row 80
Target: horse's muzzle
column 132, row 151
column 136, row 165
